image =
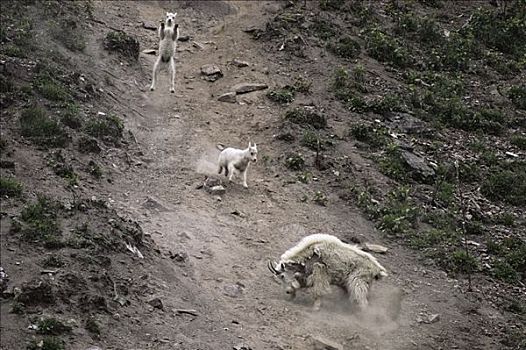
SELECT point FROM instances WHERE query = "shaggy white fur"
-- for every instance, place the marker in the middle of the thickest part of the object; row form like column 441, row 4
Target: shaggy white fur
column 321, row 260
column 236, row 161
column 168, row 35
column 290, row 255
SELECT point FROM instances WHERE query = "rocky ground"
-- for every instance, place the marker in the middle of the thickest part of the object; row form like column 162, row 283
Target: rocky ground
column 399, row 123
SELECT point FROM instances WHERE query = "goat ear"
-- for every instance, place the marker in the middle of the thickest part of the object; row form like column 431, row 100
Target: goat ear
column 249, row 144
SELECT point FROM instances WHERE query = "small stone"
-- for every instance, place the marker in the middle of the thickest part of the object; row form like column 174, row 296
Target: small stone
column 228, row 97
column 210, row 69
column 417, row 164
column 184, row 38
column 321, row 343
column 179, row 257
column 375, row 248
column 433, row 318
column 149, row 51
column 156, row 303
column 242, row 347
column 211, row 72
column 239, row 63
column 233, row 290
column 149, row 25
column 217, row 190
column 244, row 88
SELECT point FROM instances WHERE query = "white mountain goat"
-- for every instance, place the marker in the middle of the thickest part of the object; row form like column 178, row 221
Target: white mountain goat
column 168, row 35
column 236, row 161
column 321, row 260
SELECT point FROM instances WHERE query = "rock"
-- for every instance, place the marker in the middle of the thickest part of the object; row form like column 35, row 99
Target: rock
column 211, row 182
column 417, row 164
column 243, row 88
column 433, row 318
column 409, row 124
column 149, row 51
column 239, row 63
column 156, row 303
column 198, row 45
column 184, row 38
column 149, row 25
column 233, row 290
column 375, row 248
column 93, row 348
column 217, row 190
column 211, row 72
column 153, row 204
column 428, row 319
column 242, row 347
column 228, row 97
column 179, row 257
column 321, row 343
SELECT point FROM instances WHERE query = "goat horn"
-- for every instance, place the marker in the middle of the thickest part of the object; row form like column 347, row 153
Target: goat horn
column 271, row 267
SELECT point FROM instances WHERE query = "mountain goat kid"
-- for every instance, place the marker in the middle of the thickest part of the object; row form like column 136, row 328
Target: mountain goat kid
column 321, row 260
column 168, row 34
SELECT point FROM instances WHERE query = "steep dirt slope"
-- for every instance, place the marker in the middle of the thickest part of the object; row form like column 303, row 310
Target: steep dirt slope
column 213, row 249
column 232, row 291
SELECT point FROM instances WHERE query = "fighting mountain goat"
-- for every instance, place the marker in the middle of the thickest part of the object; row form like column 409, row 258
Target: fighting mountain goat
column 168, row 35
column 236, row 161
column 321, row 260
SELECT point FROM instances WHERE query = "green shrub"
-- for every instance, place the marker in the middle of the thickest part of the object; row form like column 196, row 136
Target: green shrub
column 507, row 183
column 331, row 4
column 519, row 141
column 320, row 198
column 53, row 261
column 40, row 222
column 375, row 137
column 387, row 103
column 52, row 326
column 345, row 47
column 108, row 128
column 385, row 48
column 92, row 326
column 399, row 213
column 10, row 187
column 283, row 95
column 501, row 30
column 48, row 343
column 461, row 261
column 517, row 95
column 392, row 164
column 42, row 130
column 49, row 87
column 122, row 43
column 70, row 116
column 295, row 162
column 306, row 117
column 323, row 29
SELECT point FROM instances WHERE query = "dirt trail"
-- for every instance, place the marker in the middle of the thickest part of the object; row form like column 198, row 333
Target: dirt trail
column 225, row 277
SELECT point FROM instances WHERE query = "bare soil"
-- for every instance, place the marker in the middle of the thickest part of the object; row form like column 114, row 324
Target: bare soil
column 225, row 241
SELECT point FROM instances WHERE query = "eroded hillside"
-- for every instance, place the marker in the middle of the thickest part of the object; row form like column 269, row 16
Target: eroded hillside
column 392, row 122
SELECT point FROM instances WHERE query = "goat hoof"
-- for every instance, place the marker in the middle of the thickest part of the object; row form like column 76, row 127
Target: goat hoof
column 172, row 91
column 151, row 89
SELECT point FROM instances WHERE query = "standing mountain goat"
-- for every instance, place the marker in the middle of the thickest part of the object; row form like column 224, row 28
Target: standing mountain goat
column 236, row 161
column 321, row 260
column 168, row 35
